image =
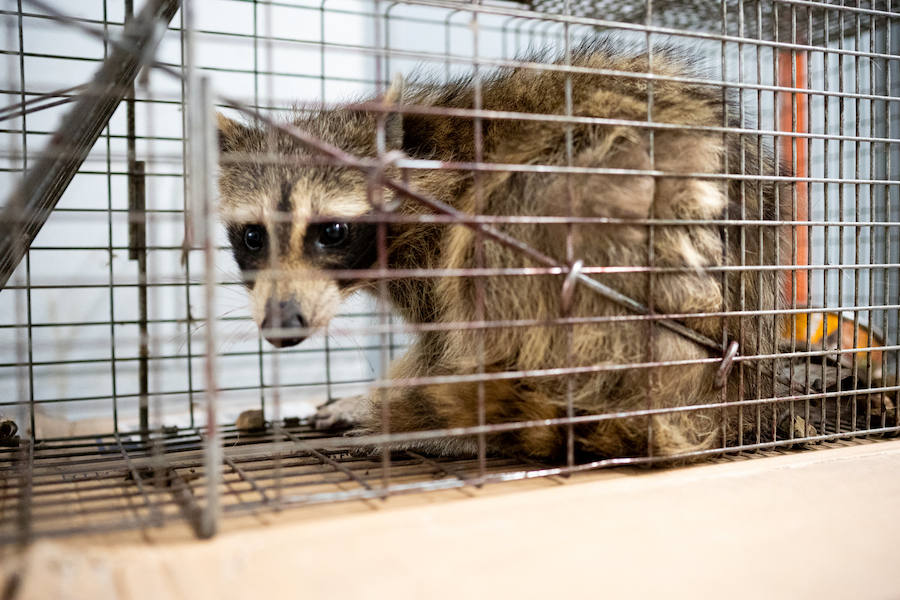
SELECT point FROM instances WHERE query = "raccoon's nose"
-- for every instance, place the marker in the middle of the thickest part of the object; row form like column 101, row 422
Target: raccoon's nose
column 282, row 320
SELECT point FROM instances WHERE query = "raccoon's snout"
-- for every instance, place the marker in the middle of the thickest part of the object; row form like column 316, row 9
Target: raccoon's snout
column 282, row 320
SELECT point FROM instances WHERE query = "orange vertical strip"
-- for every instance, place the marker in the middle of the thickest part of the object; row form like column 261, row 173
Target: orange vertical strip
column 788, row 103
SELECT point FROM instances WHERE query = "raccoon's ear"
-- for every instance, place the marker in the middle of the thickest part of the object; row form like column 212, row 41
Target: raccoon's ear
column 230, row 132
column 393, row 125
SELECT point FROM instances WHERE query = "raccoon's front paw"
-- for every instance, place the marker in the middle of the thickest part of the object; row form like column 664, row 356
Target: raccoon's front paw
column 343, row 413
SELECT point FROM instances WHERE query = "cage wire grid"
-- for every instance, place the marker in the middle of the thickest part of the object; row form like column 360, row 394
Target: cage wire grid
column 145, row 351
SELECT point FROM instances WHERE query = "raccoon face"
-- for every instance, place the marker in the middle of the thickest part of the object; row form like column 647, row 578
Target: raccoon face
column 288, row 264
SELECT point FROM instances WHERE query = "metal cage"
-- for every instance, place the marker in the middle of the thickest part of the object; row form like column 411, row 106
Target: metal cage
column 128, row 359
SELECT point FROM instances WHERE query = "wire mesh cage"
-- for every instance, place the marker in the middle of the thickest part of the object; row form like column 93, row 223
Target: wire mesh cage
column 585, row 234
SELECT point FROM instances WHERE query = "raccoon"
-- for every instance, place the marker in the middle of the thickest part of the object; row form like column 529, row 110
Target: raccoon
column 660, row 175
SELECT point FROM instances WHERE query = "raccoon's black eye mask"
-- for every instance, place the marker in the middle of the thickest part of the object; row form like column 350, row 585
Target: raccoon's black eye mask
column 248, row 243
column 341, row 246
column 332, row 245
column 326, row 236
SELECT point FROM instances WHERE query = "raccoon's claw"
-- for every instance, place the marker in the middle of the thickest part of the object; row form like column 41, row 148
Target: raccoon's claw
column 359, row 432
column 361, row 451
column 340, row 414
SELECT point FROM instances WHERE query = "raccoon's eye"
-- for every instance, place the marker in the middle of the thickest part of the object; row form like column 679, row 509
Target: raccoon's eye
column 254, row 237
column 333, row 234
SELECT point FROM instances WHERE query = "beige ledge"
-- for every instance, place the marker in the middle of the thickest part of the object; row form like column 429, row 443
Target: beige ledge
column 819, row 524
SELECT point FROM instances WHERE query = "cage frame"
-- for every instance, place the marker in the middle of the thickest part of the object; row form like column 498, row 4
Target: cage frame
column 791, row 90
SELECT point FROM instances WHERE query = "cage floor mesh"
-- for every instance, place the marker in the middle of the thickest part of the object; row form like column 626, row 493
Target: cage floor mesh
column 104, row 483
column 111, row 482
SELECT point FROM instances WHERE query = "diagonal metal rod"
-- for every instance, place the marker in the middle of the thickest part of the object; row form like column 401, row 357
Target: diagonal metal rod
column 245, row 477
column 490, row 232
column 327, row 459
column 154, row 509
column 30, row 205
column 12, row 110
